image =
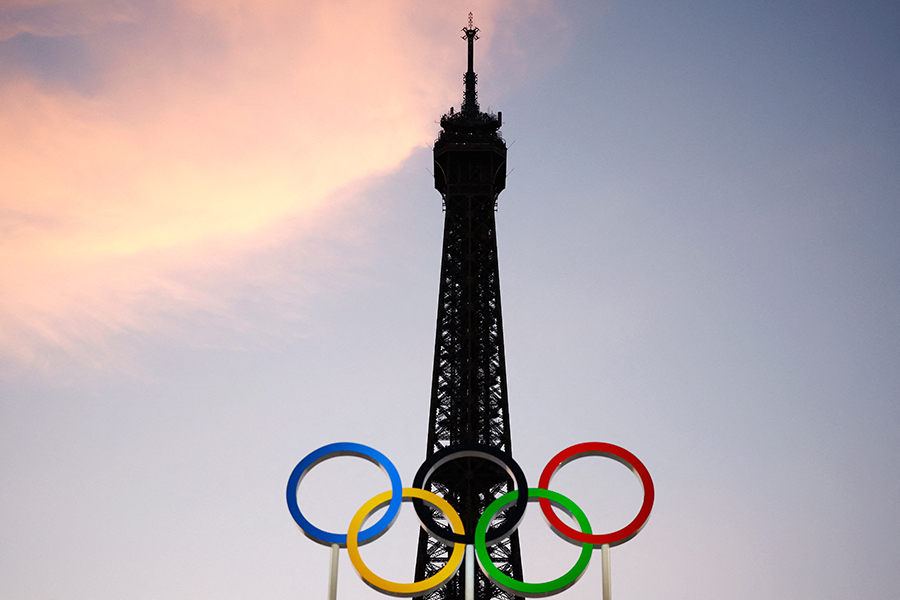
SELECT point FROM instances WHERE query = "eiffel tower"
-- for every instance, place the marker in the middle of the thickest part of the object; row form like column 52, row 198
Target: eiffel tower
column 468, row 395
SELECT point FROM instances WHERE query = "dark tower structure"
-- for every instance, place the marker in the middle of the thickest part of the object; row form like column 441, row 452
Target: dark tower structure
column 468, row 394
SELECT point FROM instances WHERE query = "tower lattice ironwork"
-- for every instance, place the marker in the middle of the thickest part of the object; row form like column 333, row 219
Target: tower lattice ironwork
column 468, row 395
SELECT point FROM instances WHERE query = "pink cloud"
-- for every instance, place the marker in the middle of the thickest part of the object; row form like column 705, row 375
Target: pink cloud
column 211, row 123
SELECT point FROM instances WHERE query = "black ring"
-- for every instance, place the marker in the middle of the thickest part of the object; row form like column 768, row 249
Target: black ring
column 464, row 450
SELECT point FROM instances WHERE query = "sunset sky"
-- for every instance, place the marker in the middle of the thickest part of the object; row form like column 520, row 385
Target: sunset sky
column 220, row 249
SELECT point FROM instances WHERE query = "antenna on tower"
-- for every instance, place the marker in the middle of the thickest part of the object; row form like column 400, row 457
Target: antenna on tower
column 470, row 97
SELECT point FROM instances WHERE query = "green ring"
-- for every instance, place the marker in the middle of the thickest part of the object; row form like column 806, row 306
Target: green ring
column 521, row 588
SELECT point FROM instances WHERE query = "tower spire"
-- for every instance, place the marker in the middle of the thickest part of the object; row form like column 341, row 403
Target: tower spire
column 470, row 96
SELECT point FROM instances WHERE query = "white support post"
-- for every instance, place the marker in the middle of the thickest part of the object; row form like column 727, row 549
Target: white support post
column 332, row 577
column 470, row 572
column 607, row 583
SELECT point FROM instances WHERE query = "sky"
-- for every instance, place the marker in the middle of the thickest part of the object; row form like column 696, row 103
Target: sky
column 220, row 249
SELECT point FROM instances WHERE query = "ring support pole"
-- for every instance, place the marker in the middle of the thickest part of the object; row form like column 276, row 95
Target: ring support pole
column 332, row 576
column 607, row 584
column 470, row 572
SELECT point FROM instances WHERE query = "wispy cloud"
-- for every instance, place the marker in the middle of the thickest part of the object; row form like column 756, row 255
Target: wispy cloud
column 180, row 133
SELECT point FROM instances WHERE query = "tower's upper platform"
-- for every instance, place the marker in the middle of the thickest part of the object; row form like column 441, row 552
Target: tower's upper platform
column 470, row 154
column 469, row 122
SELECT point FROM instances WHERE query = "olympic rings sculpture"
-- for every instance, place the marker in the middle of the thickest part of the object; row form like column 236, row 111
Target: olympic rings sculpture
column 484, row 535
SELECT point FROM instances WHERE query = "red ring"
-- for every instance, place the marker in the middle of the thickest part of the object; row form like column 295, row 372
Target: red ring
column 609, row 451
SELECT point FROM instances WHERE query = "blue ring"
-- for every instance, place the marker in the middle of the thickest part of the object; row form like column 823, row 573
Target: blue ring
column 344, row 449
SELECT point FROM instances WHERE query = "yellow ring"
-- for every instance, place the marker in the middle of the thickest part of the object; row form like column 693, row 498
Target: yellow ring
column 405, row 590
